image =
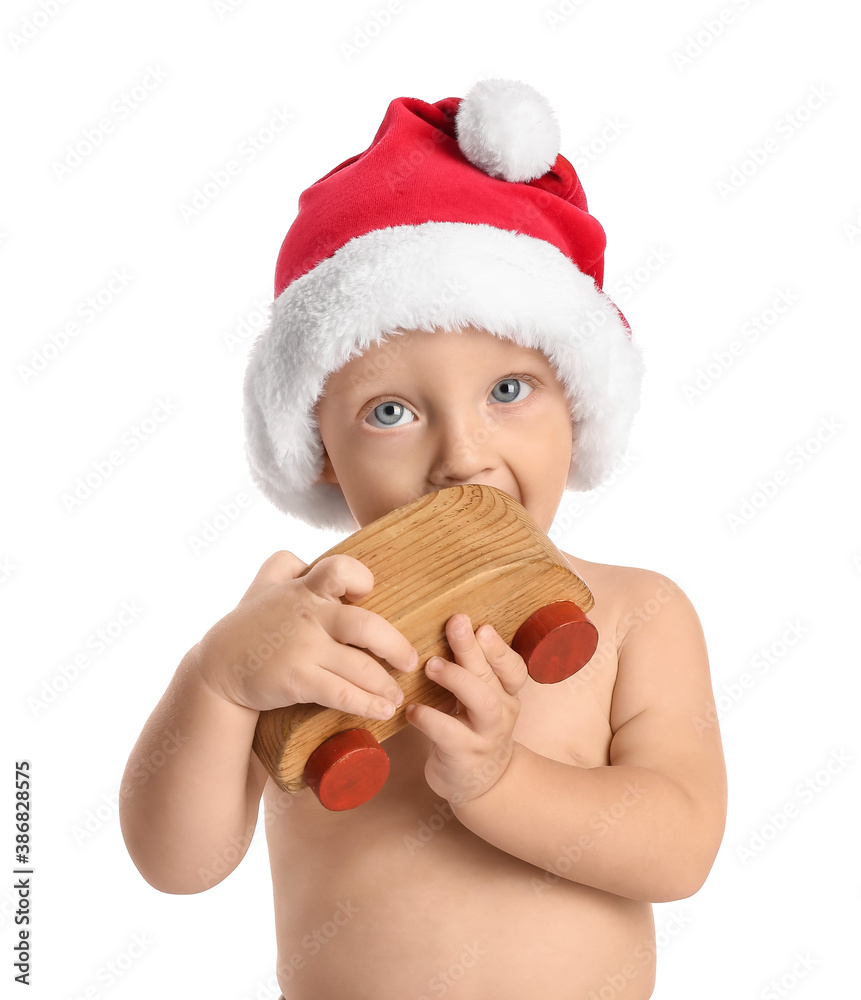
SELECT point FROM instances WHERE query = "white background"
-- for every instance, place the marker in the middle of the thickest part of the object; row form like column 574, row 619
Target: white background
column 682, row 120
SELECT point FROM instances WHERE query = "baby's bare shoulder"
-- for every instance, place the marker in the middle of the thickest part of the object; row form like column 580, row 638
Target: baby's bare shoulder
column 626, row 592
column 633, row 603
column 625, row 576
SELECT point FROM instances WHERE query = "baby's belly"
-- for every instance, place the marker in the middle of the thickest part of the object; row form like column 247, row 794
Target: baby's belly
column 397, row 900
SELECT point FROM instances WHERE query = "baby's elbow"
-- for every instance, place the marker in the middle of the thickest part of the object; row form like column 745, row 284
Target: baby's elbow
column 692, row 856
column 677, row 887
column 178, row 889
column 174, row 877
column 682, row 882
column 180, row 883
column 170, row 888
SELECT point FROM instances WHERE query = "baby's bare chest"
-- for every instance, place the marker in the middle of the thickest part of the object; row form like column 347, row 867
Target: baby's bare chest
column 570, row 721
column 413, row 874
column 421, row 887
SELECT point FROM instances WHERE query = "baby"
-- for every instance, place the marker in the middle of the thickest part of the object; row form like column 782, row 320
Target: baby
column 439, row 321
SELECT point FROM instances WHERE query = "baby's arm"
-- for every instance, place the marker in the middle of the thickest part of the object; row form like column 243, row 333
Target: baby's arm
column 647, row 826
column 192, row 786
column 191, row 790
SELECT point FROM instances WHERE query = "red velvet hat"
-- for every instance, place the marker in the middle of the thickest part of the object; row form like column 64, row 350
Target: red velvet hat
column 459, row 213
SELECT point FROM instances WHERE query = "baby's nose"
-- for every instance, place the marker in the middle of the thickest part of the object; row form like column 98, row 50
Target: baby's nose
column 465, row 450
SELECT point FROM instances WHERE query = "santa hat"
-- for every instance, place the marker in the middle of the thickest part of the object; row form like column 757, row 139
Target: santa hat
column 459, row 213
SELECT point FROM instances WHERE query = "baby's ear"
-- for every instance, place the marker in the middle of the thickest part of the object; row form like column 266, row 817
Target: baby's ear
column 328, row 475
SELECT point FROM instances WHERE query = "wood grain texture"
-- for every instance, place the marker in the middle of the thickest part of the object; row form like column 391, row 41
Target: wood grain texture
column 466, row 549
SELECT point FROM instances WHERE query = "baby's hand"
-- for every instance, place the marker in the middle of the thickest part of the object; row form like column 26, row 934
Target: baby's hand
column 291, row 640
column 472, row 748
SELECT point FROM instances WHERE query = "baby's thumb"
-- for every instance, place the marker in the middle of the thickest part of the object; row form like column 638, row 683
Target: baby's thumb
column 339, row 576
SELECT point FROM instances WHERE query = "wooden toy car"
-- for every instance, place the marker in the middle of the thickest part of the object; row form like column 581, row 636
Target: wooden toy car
column 465, row 549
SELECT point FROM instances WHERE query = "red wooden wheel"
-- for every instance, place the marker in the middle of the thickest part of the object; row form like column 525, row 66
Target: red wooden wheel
column 347, row 769
column 555, row 642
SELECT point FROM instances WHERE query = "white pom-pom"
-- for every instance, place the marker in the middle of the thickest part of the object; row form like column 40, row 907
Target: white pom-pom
column 507, row 129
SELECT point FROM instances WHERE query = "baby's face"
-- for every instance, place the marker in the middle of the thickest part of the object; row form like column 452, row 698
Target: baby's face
column 427, row 410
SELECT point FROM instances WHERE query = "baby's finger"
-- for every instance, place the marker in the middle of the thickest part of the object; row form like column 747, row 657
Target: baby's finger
column 445, row 731
column 365, row 629
column 349, row 680
column 478, row 700
column 334, row 577
column 280, row 567
column 467, row 651
column 506, row 664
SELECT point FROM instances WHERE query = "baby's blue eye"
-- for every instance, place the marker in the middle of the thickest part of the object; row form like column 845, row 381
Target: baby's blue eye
column 389, row 414
column 510, row 389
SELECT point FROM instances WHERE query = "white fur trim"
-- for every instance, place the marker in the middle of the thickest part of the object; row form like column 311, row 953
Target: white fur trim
column 507, row 129
column 443, row 275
